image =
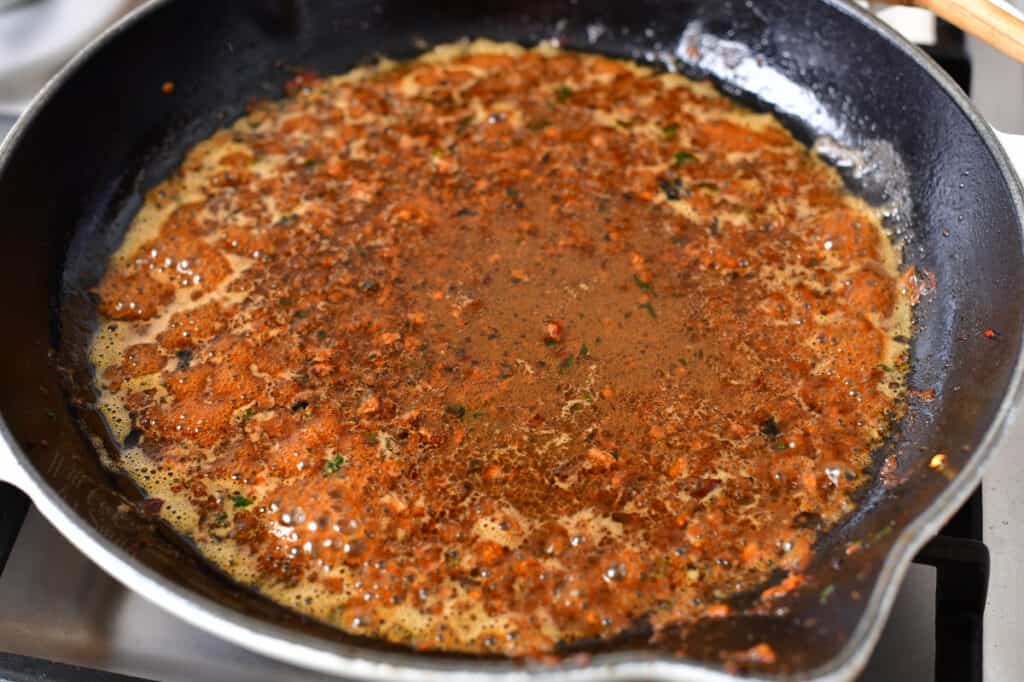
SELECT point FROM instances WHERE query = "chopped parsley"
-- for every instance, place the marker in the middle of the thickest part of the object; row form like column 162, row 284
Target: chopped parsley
column 240, row 501
column 670, row 131
column 650, row 310
column 682, row 157
column 584, row 351
column 566, row 364
column 646, row 286
column 682, row 361
column 563, row 94
column 880, row 535
column 779, row 447
column 456, row 410
column 333, row 465
column 287, row 219
column 826, row 593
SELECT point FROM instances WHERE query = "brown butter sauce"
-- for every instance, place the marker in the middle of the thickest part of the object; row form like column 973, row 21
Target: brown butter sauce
column 500, row 348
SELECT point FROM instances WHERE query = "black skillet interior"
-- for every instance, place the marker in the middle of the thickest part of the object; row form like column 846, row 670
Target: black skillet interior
column 74, row 179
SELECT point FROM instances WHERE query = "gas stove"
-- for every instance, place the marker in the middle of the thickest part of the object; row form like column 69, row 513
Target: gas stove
column 63, row 619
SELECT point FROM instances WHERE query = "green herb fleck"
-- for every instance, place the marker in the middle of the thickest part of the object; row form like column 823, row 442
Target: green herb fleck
column 370, row 438
column 539, row 125
column 333, row 465
column 826, row 593
column 779, row 447
column 287, row 219
column 885, row 368
column 682, row 361
column 682, row 157
column 566, row 364
column 646, row 286
column 563, row 94
column 512, row 192
column 321, row 335
column 477, row 415
column 309, row 163
column 650, row 310
column 464, row 123
column 302, row 314
column 589, row 395
column 584, row 351
column 670, row 131
column 548, row 341
column 222, row 518
column 240, row 501
column 881, row 534
column 456, row 410
column 249, row 413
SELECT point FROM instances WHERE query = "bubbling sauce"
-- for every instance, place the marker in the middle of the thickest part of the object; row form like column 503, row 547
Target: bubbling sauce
column 501, row 348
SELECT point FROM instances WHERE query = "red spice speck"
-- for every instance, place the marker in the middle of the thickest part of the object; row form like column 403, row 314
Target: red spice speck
column 167, row 88
column 151, row 506
column 302, row 79
column 991, row 334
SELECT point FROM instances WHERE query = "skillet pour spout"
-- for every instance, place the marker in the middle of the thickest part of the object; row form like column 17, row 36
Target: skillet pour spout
column 73, row 172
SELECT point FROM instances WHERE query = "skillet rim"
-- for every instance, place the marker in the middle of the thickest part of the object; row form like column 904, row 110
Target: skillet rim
column 328, row 657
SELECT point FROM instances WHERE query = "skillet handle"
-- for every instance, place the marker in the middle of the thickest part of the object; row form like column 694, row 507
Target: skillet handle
column 1014, row 147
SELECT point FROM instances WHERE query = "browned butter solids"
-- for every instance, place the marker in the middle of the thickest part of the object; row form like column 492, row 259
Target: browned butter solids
column 501, row 348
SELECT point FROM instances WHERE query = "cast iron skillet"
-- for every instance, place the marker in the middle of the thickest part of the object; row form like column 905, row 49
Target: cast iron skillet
column 73, row 172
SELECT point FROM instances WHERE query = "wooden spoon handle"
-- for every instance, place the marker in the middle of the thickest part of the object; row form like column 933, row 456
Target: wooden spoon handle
column 982, row 19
